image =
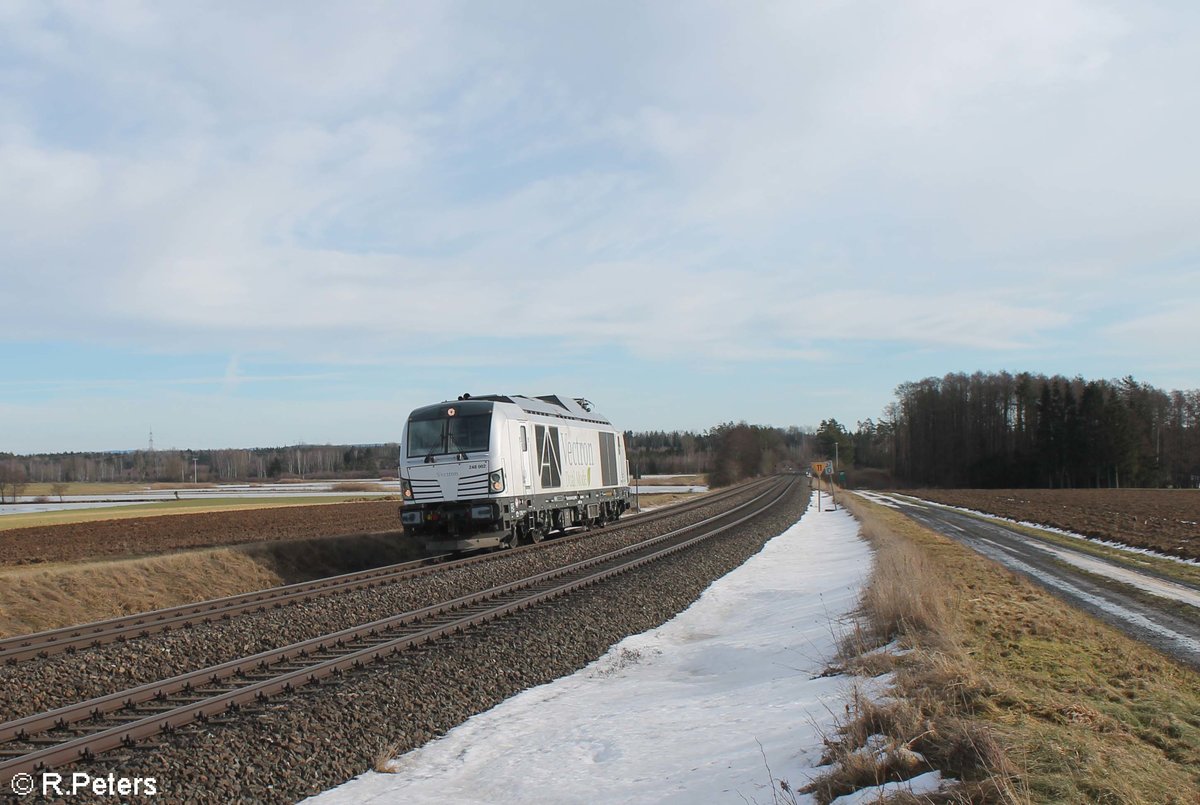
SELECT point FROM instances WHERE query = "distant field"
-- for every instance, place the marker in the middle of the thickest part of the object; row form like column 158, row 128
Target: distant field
column 81, row 488
column 91, row 489
column 194, row 524
column 169, row 525
column 165, row 507
column 1165, row 520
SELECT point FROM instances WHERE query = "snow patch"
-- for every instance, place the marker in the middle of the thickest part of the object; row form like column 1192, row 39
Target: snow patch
column 921, row 785
column 693, row 711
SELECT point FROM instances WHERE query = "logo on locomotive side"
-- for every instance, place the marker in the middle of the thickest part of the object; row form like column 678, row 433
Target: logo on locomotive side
column 548, row 458
column 579, row 453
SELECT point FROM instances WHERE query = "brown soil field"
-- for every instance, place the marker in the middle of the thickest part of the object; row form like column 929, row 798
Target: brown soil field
column 151, row 535
column 1164, row 520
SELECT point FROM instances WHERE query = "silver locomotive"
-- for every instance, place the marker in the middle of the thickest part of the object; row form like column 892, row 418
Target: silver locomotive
column 503, row 470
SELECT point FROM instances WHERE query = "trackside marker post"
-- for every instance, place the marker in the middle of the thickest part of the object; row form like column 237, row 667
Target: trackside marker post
column 818, row 469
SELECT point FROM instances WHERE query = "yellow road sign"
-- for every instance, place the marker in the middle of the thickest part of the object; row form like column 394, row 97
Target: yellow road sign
column 818, row 467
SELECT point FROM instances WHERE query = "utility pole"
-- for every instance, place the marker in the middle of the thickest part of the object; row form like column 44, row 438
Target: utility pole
column 835, row 473
column 194, row 462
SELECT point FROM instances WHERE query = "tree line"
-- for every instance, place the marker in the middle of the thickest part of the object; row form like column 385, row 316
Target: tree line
column 296, row 462
column 996, row 430
column 981, row 430
column 727, row 452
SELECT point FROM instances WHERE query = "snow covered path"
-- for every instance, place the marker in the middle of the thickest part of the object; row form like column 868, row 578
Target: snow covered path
column 693, row 711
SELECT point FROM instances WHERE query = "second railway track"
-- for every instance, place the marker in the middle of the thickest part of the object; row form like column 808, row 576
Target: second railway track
column 82, row 730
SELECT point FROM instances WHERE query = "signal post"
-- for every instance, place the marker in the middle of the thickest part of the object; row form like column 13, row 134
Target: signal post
column 823, row 468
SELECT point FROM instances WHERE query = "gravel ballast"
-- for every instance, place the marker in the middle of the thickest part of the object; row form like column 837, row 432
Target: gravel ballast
column 40, row 685
column 324, row 735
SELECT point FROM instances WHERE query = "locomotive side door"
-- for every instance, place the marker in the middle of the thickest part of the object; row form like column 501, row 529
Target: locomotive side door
column 524, row 440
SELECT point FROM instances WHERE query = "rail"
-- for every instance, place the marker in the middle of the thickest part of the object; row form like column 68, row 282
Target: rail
column 159, row 707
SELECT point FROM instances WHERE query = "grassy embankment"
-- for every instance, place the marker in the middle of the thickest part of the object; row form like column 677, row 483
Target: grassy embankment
column 49, row 596
column 1005, row 688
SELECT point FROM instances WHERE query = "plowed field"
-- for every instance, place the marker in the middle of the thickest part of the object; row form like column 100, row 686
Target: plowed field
column 148, row 535
column 1165, row 520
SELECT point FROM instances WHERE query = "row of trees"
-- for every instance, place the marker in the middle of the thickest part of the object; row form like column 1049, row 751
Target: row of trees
column 1027, row 430
column 204, row 466
column 728, row 452
column 979, row 430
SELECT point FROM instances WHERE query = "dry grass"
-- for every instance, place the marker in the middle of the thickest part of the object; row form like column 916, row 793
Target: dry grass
column 47, row 597
column 903, row 596
column 1005, row 688
column 385, row 756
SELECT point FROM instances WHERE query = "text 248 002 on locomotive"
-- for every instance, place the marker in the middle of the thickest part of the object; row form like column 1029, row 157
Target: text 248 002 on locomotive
column 504, row 470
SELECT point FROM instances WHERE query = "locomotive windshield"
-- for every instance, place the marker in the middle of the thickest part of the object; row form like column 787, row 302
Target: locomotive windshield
column 448, row 435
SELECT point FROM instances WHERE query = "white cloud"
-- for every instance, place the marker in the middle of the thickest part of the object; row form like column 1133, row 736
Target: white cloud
column 1169, row 327
column 673, row 180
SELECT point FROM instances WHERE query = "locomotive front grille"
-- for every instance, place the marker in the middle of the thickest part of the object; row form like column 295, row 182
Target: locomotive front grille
column 473, row 486
column 429, row 489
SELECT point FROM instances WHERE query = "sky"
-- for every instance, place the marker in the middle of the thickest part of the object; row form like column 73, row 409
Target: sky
column 242, row 225
column 741, row 673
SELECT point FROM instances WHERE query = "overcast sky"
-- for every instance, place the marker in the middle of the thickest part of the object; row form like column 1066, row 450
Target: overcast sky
column 259, row 224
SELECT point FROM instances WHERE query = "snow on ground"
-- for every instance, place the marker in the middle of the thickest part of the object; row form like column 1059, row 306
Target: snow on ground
column 926, row 783
column 1143, row 581
column 34, row 508
column 693, row 711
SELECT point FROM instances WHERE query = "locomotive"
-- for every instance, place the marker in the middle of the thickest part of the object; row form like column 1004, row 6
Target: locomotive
column 505, row 470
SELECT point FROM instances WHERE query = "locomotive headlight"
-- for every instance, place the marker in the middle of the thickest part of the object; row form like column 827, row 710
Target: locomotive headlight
column 406, row 489
column 496, row 481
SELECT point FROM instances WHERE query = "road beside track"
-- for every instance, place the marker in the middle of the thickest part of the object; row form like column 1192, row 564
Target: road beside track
column 1160, row 612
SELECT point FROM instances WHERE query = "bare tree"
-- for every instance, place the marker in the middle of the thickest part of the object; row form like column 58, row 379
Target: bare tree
column 12, row 479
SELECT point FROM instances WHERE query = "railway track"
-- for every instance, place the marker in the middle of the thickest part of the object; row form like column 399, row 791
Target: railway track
column 86, row 729
column 73, row 638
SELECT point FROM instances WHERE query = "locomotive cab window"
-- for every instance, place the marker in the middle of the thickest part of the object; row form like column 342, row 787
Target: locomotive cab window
column 449, row 435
